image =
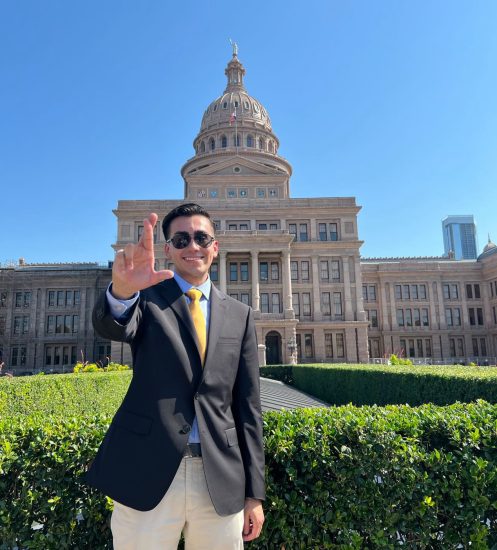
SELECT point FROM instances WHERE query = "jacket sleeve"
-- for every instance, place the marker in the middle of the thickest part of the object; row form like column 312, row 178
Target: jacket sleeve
column 107, row 327
column 247, row 412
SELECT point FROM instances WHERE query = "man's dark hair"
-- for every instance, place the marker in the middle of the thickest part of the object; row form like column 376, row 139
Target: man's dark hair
column 188, row 209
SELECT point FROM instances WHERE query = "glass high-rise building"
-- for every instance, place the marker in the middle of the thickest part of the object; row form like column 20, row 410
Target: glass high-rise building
column 460, row 237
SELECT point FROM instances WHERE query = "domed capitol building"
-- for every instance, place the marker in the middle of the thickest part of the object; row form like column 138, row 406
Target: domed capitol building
column 296, row 261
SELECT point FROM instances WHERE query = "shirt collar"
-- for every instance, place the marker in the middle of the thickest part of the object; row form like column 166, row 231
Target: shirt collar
column 185, row 286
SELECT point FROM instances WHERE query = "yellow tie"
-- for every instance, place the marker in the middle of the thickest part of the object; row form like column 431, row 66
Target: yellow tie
column 198, row 319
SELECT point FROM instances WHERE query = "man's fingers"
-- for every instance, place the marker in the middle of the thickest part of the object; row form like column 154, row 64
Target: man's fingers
column 147, row 238
column 129, row 252
column 119, row 262
column 162, row 275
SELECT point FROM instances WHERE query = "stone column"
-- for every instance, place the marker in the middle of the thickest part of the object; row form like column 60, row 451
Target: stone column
column 316, row 298
column 222, row 270
column 346, row 289
column 464, row 307
column 361, row 314
column 287, row 285
column 393, row 311
column 441, row 307
column 384, row 324
column 255, row 279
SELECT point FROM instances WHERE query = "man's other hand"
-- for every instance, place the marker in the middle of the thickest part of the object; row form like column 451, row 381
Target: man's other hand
column 133, row 268
column 253, row 519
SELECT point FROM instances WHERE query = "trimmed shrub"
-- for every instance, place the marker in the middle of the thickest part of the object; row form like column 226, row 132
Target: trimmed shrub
column 62, row 395
column 340, row 478
column 388, row 384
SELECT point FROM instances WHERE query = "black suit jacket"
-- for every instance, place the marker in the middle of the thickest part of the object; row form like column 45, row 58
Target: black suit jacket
column 144, row 445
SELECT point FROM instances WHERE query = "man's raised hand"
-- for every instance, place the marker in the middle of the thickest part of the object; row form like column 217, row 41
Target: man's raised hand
column 133, row 268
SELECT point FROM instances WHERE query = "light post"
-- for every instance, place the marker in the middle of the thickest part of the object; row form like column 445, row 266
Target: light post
column 292, row 349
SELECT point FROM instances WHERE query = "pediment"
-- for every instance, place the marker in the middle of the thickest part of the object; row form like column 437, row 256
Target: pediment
column 241, row 166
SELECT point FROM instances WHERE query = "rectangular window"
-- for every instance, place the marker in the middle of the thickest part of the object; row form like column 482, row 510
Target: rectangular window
column 18, row 299
column 51, row 298
column 456, row 316
column 75, row 323
column 405, row 292
column 273, row 226
column 412, row 352
column 17, row 325
column 477, row 293
column 446, row 291
column 408, row 318
column 323, row 235
column 365, row 292
column 335, row 270
column 460, row 347
column 419, row 345
column 244, row 271
column 3, row 299
column 324, row 269
column 469, row 291
column 294, row 270
column 403, row 348
column 303, row 232
column 308, row 348
column 422, row 292
column 243, row 226
column 454, row 292
column 69, row 298
column 414, row 292
column 398, row 292
column 328, row 345
column 67, row 324
column 292, row 229
column 373, row 318
column 245, row 298
column 452, row 347
column 428, row 347
column 372, row 293
column 233, row 272
column 263, row 226
column 475, row 346
column 400, row 317
column 416, row 316
column 340, row 345
column 337, row 301
column 472, row 320
column 479, row 315
column 299, row 346
column 296, row 304
column 275, row 271
column 59, row 324
column 50, row 324
column 424, row 317
column 214, row 274
column 325, row 303
column 77, row 297
column 495, row 315
column 304, row 268
column 448, row 317
column 263, row 271
column 275, row 298
column 2, row 327
column 306, row 304
column 483, row 347
column 264, row 303
column 333, row 232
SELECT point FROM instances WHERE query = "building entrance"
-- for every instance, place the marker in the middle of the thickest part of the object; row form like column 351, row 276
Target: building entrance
column 273, row 348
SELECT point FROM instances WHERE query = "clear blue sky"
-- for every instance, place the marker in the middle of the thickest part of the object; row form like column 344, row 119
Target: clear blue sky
column 393, row 102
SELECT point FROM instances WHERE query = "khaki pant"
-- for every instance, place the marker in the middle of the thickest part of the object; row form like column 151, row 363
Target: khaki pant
column 187, row 508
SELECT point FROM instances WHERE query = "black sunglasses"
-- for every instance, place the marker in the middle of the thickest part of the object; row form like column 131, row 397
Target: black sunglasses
column 182, row 239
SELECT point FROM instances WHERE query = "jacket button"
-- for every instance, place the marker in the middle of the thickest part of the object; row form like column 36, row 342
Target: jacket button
column 196, row 396
column 186, row 429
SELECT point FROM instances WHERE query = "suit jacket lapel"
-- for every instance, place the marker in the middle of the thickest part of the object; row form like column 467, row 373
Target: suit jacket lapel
column 216, row 321
column 176, row 299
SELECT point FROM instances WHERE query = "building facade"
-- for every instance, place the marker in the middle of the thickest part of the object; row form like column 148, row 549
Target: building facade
column 296, row 261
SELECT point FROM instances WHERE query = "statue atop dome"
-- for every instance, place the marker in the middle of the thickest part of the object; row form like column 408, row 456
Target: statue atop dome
column 234, row 45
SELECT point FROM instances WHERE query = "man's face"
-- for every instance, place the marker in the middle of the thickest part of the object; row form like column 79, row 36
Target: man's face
column 193, row 262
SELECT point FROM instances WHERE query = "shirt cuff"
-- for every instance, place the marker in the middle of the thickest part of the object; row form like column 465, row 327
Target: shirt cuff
column 119, row 308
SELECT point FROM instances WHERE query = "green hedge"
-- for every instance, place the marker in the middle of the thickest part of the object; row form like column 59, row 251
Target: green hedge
column 342, row 477
column 62, row 394
column 388, row 384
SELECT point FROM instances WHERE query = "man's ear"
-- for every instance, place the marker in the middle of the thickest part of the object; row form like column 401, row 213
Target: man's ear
column 166, row 250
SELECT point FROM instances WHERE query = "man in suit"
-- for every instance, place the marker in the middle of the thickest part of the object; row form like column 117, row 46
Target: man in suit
column 184, row 451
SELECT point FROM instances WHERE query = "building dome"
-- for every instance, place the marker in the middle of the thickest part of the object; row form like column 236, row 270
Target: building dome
column 489, row 246
column 235, row 120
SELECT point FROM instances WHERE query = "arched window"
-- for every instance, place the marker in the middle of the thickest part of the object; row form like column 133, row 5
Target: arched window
column 212, row 144
column 202, row 147
column 250, row 141
column 271, row 147
column 224, row 142
column 261, row 144
column 225, row 105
